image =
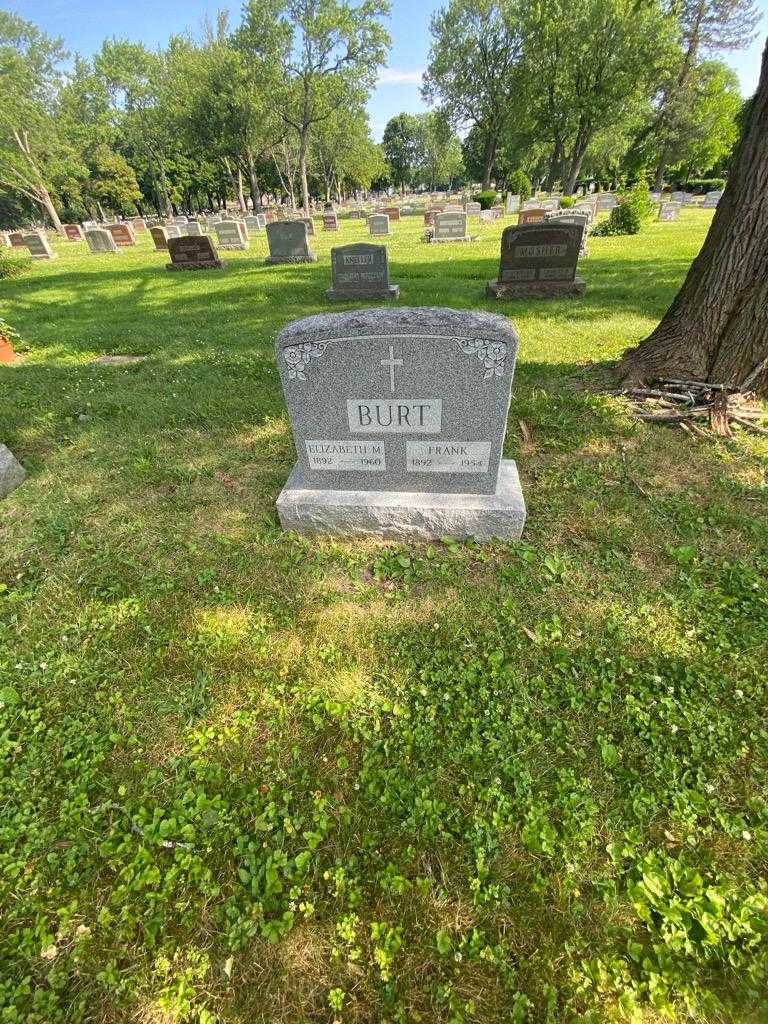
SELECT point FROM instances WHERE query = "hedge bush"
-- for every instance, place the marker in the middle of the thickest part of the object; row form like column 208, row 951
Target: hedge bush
column 486, row 199
column 566, row 202
column 12, row 263
column 704, row 185
column 627, row 218
column 519, row 184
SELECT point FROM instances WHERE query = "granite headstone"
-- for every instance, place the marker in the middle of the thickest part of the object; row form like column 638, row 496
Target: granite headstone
column 288, row 242
column 100, row 240
column 538, row 261
column 378, row 224
column 193, row 252
column 360, row 271
column 232, row 235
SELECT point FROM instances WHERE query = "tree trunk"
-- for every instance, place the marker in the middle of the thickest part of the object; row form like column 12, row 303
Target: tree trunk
column 555, row 163
column 50, row 209
column 489, row 155
column 253, row 181
column 303, row 141
column 240, row 193
column 715, row 328
column 579, row 149
column 661, row 167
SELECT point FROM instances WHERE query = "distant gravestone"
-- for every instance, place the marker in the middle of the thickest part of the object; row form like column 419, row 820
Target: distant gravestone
column 473, row 209
column 450, row 227
column 360, row 271
column 330, row 221
column 193, row 230
column 138, row 223
column 669, row 211
column 512, row 204
column 12, row 473
column 181, row 219
column 16, row 239
column 606, row 201
column 73, row 232
column 398, row 417
column 159, row 237
column 193, row 252
column 288, row 243
column 252, row 224
column 5, row 240
column 38, row 245
column 578, row 217
column 393, row 212
column 711, row 199
column 533, row 215
column 100, row 240
column 487, row 216
column 232, row 235
column 309, row 223
column 538, row 261
column 378, row 224
column 678, row 197
column 550, row 205
column 173, row 230
column 123, row 234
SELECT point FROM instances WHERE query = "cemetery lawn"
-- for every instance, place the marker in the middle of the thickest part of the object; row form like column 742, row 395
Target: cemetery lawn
column 251, row 777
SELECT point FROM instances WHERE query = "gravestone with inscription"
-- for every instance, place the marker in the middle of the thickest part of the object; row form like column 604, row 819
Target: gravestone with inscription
column 174, row 230
column 232, row 234
column 193, row 229
column 139, row 224
column 473, row 209
column 538, row 261
column 288, row 242
column 73, row 232
column 378, row 224
column 193, row 252
column 512, row 203
column 360, row 271
column 122, row 233
column 532, row 215
column 450, row 227
column 38, row 245
column 100, row 240
column 393, row 212
column 398, row 418
column 330, row 220
column 669, row 211
column 253, row 224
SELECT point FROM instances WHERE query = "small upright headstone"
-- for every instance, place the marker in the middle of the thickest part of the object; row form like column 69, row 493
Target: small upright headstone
column 711, row 199
column 393, row 212
column 122, row 233
column 533, row 215
column 550, row 205
column 450, row 227
column 330, row 220
column 16, row 238
column 138, row 223
column 512, row 204
column 181, row 219
column 538, row 261
column 580, row 218
column 193, row 230
column 73, row 232
column 12, row 473
column 38, row 245
column 159, row 237
column 473, row 209
column 288, row 242
column 677, row 197
column 398, row 418
column 252, row 224
column 669, row 211
column 310, row 225
column 232, row 235
column 100, row 240
column 173, row 230
column 193, row 252
column 360, row 271
column 378, row 224
column 606, row 201
column 5, row 240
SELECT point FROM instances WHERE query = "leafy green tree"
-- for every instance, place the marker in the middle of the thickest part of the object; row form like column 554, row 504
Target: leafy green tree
column 335, row 52
column 33, row 153
column 440, row 158
column 474, row 70
column 400, row 142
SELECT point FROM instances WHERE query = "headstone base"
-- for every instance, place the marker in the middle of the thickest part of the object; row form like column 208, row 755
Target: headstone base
column 291, row 259
column 405, row 515
column 339, row 295
column 207, row 265
column 232, row 246
column 12, row 473
column 535, row 289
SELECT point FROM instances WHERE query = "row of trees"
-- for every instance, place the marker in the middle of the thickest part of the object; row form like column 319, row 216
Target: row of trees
column 275, row 104
column 601, row 86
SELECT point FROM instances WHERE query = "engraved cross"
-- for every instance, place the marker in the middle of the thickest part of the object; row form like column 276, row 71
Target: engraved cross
column 392, row 363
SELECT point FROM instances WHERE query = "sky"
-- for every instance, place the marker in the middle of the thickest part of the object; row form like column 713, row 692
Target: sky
column 84, row 24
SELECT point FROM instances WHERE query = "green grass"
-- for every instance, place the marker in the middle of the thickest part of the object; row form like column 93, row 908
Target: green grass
column 250, row 777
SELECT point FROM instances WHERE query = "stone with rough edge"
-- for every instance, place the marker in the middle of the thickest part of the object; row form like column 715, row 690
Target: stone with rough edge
column 538, row 261
column 399, row 418
column 403, row 515
column 288, row 243
column 12, row 473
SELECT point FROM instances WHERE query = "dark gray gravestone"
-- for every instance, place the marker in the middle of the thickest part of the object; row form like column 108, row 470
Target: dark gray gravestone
column 538, row 261
column 360, row 271
column 193, row 252
column 288, row 242
column 399, row 418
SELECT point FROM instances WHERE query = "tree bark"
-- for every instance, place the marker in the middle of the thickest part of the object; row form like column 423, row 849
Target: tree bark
column 489, row 156
column 303, row 141
column 715, row 328
column 579, row 149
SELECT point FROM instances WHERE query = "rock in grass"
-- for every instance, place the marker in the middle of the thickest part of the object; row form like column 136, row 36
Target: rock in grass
column 12, row 473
